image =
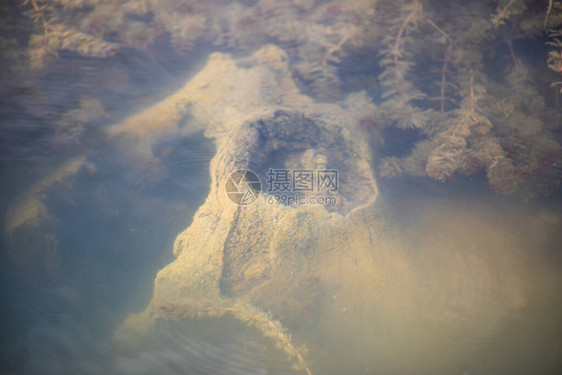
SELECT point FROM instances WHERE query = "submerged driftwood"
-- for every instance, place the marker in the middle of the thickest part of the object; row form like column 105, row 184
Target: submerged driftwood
column 232, row 258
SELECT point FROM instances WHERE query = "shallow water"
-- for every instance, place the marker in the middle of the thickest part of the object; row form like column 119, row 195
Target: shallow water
column 430, row 278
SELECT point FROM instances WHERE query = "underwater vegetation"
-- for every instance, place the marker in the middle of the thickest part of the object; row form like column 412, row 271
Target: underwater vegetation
column 450, row 70
column 496, row 119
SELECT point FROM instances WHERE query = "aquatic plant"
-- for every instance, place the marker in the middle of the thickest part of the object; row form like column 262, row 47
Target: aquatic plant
column 53, row 35
column 449, row 71
column 491, row 114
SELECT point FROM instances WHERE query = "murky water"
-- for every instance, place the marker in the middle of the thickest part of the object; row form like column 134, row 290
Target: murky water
column 129, row 247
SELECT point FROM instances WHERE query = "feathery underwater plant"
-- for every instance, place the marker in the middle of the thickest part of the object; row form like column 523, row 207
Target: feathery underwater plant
column 502, row 123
